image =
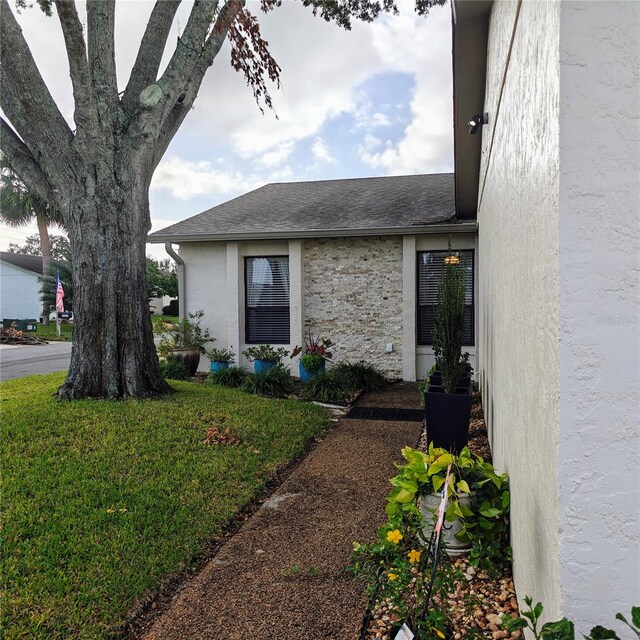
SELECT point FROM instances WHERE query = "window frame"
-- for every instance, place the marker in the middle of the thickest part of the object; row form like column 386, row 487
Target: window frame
column 246, row 299
column 472, row 252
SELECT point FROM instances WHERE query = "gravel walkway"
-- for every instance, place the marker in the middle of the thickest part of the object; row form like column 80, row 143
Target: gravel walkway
column 283, row 574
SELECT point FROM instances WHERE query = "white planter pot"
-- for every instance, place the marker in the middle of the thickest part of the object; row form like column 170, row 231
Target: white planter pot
column 428, row 507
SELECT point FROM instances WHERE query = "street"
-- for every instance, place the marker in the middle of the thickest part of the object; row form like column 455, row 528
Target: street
column 17, row 361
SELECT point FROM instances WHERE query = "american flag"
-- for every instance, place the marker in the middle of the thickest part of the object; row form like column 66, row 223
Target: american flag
column 59, row 294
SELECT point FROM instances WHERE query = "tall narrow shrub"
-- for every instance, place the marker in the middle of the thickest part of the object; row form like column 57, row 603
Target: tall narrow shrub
column 448, row 333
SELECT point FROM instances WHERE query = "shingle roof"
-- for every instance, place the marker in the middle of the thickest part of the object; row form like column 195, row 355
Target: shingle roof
column 31, row 263
column 351, row 204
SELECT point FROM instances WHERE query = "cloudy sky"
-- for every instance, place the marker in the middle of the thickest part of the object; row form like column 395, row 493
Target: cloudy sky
column 374, row 101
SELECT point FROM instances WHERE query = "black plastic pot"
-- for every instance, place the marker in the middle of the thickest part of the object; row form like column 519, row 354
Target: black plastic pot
column 447, row 416
column 464, row 382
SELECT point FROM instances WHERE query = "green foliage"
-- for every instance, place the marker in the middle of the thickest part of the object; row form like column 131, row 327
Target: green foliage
column 564, row 629
column 171, row 369
column 422, row 387
column 448, row 331
column 276, row 382
column 265, row 352
column 60, row 248
column 221, row 355
column 110, row 498
column 232, row 377
column 327, row 386
column 20, row 205
column 397, row 567
column 185, row 334
column 484, row 523
column 314, row 346
column 311, row 362
column 362, row 375
column 162, row 278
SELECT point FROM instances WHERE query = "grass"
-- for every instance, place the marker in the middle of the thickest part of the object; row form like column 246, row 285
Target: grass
column 101, row 500
column 48, row 332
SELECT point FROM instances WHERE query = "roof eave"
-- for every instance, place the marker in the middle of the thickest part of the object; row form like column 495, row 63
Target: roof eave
column 470, row 32
column 468, row 226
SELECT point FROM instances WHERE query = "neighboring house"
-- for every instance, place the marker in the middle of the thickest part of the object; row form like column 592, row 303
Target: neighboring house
column 553, row 183
column 20, row 282
column 354, row 260
column 554, row 178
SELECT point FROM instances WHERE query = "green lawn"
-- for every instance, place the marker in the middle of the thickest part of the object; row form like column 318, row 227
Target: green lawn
column 48, row 332
column 101, row 500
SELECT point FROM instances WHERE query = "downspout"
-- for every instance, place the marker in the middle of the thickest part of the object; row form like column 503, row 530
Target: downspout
column 182, row 290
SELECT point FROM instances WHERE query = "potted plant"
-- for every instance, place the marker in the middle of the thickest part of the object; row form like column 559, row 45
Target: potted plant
column 264, row 356
column 184, row 341
column 448, row 406
column 315, row 353
column 220, row 358
column 478, row 501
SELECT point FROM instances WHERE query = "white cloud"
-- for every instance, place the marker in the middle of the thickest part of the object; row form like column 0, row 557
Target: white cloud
column 275, row 156
column 323, row 70
column 321, row 153
column 186, row 179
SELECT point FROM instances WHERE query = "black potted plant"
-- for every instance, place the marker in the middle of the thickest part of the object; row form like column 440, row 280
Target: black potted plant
column 448, row 405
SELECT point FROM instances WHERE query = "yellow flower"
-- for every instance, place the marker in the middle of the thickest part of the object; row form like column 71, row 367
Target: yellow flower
column 392, row 576
column 394, row 536
column 439, row 633
column 414, row 556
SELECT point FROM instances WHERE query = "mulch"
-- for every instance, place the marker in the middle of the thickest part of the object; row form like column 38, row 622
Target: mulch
column 283, row 574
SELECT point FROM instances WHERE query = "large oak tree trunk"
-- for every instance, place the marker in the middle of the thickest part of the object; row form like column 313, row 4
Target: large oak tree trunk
column 113, row 354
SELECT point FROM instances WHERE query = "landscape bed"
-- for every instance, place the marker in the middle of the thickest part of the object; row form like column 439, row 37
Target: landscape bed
column 477, row 599
column 103, row 500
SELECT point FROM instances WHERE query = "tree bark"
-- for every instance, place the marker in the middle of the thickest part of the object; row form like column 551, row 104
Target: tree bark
column 113, row 354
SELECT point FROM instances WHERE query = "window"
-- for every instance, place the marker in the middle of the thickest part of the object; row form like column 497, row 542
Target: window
column 267, row 300
column 430, row 268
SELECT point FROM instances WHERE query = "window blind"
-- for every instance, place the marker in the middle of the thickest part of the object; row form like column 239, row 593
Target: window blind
column 430, row 269
column 267, row 300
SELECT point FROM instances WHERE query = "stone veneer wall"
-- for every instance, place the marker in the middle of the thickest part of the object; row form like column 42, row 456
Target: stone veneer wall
column 353, row 295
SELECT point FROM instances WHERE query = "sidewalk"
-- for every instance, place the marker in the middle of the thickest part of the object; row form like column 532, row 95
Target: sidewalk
column 282, row 576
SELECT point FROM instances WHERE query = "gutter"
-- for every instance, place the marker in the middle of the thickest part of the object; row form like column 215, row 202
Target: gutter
column 182, row 290
column 450, row 227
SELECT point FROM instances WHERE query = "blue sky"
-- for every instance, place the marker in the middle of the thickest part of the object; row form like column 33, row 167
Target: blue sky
column 373, row 101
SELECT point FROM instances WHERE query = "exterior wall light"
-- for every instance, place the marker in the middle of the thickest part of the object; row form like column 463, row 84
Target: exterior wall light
column 475, row 122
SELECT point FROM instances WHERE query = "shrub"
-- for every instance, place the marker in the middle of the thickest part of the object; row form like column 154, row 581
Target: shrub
column 232, row 377
column 173, row 369
column 327, row 386
column 185, row 334
column 221, row 355
column 265, row 352
column 448, row 330
column 362, row 375
column 171, row 309
column 273, row 383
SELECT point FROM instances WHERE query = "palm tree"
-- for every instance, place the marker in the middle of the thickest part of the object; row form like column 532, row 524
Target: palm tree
column 20, row 205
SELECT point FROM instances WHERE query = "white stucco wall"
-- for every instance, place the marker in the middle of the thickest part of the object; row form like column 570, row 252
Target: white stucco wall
column 559, row 248
column 19, row 293
column 518, row 281
column 599, row 443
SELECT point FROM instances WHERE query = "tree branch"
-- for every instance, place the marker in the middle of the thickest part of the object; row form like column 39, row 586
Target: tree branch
column 85, row 114
column 147, row 64
column 212, row 47
column 102, row 61
column 27, row 103
column 23, row 163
